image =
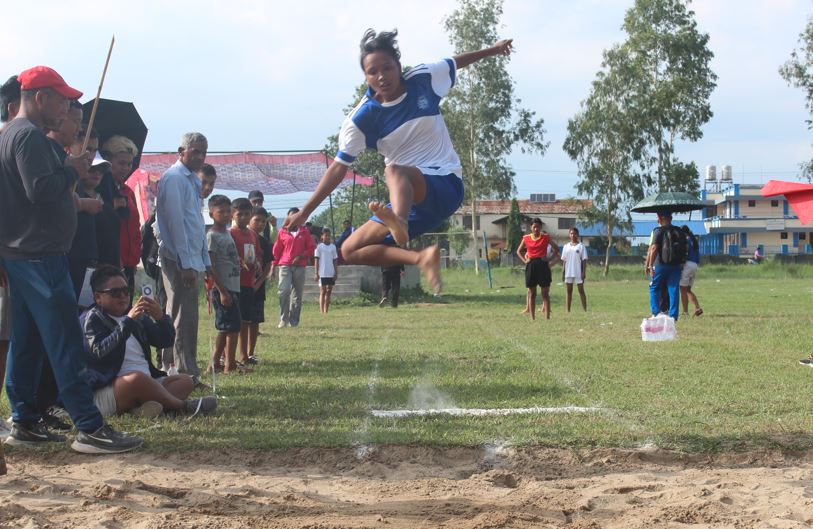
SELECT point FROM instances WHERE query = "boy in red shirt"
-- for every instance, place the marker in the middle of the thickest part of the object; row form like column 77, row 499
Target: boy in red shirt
column 250, row 253
column 537, row 269
column 292, row 251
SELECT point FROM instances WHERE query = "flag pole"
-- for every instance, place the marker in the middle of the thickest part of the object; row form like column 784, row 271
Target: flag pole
column 96, row 101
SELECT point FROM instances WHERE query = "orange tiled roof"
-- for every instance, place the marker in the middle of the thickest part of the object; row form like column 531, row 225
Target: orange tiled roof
column 526, row 207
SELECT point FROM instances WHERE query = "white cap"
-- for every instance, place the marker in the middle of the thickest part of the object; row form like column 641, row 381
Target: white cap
column 100, row 163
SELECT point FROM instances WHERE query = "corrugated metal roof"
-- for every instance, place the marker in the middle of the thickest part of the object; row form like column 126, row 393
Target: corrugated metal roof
column 526, row 207
column 640, row 228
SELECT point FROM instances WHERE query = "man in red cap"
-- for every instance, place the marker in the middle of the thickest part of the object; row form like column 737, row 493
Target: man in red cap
column 37, row 224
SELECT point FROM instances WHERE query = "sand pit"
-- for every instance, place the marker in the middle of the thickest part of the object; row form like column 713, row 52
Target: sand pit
column 409, row 487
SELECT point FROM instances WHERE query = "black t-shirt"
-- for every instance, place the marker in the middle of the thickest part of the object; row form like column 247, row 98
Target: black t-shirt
column 108, row 223
column 37, row 210
column 84, row 246
column 657, row 239
column 266, row 247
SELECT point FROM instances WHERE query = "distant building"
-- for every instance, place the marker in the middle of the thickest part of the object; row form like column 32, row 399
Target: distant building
column 741, row 220
column 491, row 218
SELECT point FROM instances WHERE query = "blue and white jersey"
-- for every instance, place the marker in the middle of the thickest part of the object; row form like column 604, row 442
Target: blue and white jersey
column 408, row 131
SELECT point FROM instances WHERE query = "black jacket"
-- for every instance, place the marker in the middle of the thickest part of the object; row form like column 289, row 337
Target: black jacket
column 106, row 339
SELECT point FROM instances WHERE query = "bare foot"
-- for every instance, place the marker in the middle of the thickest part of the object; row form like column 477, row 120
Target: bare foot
column 399, row 228
column 525, row 311
column 429, row 263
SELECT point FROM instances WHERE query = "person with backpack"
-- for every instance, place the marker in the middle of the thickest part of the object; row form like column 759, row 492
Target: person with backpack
column 664, row 263
column 689, row 273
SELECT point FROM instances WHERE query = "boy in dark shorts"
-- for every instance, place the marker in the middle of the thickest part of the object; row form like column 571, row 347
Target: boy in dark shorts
column 226, row 278
column 248, row 249
column 326, row 269
column 258, row 223
column 533, row 250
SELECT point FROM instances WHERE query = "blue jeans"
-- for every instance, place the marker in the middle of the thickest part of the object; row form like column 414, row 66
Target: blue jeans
column 669, row 275
column 45, row 322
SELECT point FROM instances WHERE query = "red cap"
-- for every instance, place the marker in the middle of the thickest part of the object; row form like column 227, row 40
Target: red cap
column 44, row 77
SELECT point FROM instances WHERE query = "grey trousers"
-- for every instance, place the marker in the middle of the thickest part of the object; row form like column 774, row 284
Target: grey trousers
column 291, row 284
column 182, row 307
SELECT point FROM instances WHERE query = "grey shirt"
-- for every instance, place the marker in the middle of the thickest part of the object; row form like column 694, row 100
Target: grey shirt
column 37, row 212
column 225, row 262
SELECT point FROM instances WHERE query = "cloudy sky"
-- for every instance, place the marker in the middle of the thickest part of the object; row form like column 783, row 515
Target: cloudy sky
column 256, row 75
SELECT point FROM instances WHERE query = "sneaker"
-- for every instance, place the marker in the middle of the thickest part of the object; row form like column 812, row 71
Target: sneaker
column 148, row 410
column 806, row 362
column 383, row 301
column 5, row 430
column 203, row 405
column 33, row 435
column 54, row 422
column 59, row 412
column 252, row 360
column 105, row 440
column 281, row 325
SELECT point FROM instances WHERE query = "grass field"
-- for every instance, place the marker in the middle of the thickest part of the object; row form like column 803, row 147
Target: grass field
column 730, row 382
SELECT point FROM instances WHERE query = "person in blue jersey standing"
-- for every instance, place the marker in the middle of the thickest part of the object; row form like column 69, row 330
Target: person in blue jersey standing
column 399, row 116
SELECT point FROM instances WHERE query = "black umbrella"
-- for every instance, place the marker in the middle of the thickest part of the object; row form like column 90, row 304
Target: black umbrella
column 118, row 117
column 672, row 201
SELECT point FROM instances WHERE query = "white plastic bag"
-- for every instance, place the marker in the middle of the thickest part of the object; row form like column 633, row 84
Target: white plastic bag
column 658, row 328
column 86, row 294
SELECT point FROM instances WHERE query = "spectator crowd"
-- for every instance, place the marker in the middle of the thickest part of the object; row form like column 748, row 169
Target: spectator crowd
column 79, row 341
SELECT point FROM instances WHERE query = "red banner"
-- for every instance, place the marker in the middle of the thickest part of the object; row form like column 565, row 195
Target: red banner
column 273, row 174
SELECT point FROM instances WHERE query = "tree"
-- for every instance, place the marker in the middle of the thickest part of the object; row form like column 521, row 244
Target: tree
column 607, row 150
column 670, row 82
column 798, row 72
column 484, row 118
column 514, row 227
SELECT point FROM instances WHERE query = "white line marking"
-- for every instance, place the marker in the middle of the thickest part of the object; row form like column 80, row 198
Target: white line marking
column 478, row 412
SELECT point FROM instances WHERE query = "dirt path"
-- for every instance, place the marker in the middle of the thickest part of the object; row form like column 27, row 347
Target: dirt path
column 409, row 487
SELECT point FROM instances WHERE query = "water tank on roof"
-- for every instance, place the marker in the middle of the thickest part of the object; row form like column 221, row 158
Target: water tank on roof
column 711, row 173
column 726, row 174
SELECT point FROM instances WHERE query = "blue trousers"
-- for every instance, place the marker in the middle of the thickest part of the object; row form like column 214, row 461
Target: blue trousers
column 44, row 322
column 670, row 276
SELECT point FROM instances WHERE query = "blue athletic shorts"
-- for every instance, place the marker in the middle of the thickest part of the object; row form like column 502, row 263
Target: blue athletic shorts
column 444, row 195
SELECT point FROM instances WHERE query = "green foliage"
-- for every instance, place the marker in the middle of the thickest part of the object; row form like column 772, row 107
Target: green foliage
column 798, row 72
column 343, row 199
column 514, row 226
column 653, row 89
column 667, row 65
column 459, row 239
column 482, row 114
column 607, row 150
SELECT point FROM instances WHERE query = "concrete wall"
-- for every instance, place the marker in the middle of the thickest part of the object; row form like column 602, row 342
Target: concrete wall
column 371, row 278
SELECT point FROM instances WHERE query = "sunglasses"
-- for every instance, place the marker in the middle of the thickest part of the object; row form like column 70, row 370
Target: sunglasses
column 117, row 292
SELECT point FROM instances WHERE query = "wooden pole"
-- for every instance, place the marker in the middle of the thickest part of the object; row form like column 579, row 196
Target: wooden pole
column 98, row 94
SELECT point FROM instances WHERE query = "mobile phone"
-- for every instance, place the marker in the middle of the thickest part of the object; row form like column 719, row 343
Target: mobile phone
column 146, row 291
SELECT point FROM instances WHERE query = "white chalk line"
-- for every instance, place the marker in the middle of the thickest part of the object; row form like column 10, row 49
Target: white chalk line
column 482, row 412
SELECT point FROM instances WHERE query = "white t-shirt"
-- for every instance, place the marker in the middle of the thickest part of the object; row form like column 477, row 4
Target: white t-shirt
column 133, row 356
column 326, row 253
column 573, row 255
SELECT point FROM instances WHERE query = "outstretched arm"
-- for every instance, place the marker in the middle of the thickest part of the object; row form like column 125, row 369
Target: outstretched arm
column 330, row 180
column 502, row 47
